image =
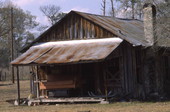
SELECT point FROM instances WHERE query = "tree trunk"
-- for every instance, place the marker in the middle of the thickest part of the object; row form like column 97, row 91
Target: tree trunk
column 133, row 10
column 113, row 10
column 104, row 7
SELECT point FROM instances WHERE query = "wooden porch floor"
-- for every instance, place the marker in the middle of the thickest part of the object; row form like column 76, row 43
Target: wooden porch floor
column 66, row 100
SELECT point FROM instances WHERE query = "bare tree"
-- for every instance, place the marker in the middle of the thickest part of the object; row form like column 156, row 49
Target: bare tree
column 132, row 7
column 52, row 12
column 112, row 8
column 163, row 18
column 103, row 4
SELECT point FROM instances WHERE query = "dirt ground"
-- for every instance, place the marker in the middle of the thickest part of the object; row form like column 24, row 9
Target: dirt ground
column 8, row 93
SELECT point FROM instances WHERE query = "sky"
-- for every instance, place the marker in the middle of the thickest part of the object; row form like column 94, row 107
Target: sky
column 90, row 6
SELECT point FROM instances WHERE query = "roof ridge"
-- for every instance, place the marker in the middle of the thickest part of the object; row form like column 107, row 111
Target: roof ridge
column 103, row 15
column 89, row 13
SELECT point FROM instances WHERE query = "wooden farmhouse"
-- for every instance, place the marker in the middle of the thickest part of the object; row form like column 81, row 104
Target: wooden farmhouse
column 87, row 55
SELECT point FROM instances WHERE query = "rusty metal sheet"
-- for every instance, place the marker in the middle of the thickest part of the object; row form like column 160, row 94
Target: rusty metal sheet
column 68, row 51
column 129, row 29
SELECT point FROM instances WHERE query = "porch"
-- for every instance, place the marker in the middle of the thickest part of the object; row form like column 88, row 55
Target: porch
column 78, row 68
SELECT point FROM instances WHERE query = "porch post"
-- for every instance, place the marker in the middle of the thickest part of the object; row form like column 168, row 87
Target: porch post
column 105, row 80
column 37, row 82
column 18, row 86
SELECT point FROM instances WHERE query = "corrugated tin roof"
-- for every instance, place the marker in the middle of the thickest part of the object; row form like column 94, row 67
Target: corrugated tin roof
column 68, row 51
column 129, row 29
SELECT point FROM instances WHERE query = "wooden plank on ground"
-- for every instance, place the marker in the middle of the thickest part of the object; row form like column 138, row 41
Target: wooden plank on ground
column 66, row 100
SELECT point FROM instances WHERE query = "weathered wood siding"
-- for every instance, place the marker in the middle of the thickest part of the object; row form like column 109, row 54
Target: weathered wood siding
column 127, row 68
column 75, row 27
column 131, row 67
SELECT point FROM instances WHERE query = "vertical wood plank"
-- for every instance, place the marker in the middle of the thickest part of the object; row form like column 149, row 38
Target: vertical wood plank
column 37, row 84
column 93, row 31
column 73, row 27
column 81, row 28
column 85, row 29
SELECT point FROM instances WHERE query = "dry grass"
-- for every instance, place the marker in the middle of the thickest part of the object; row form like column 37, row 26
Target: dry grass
column 8, row 92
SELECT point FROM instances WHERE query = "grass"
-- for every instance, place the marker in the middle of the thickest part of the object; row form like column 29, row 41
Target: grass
column 8, row 93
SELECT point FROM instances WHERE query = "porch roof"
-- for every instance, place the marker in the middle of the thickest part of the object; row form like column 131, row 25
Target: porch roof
column 68, row 51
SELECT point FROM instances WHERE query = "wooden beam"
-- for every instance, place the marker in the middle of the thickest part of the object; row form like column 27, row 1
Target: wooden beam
column 105, row 80
column 32, row 80
column 37, row 79
column 12, row 44
column 18, row 86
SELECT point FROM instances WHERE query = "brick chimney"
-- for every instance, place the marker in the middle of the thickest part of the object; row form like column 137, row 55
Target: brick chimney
column 149, row 11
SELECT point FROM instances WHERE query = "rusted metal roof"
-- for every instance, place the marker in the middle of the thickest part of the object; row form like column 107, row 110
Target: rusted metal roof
column 128, row 29
column 68, row 51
